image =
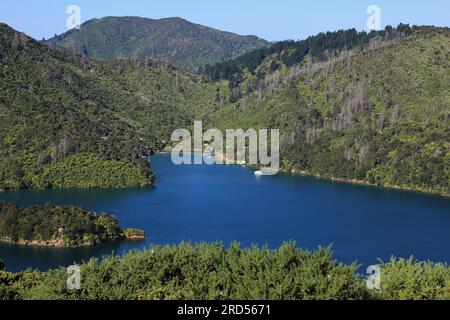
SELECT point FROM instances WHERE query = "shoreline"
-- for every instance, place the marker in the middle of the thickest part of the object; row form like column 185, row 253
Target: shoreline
column 297, row 172
column 38, row 244
column 49, row 244
column 363, row 183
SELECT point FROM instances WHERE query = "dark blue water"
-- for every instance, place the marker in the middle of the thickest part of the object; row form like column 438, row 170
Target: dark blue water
column 226, row 203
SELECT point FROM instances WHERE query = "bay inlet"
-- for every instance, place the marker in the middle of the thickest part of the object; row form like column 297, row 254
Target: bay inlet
column 202, row 203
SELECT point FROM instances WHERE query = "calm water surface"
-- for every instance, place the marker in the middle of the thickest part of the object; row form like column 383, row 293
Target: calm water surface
column 226, row 203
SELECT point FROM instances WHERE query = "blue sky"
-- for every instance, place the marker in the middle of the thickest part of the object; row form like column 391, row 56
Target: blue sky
column 269, row 19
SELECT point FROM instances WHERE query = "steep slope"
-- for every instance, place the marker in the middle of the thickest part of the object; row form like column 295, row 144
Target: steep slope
column 367, row 107
column 71, row 122
column 180, row 42
column 377, row 113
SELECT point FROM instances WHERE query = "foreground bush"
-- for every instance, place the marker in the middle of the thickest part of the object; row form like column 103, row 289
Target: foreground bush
column 413, row 280
column 211, row 271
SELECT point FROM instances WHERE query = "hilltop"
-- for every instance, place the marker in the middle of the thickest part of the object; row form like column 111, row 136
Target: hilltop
column 179, row 42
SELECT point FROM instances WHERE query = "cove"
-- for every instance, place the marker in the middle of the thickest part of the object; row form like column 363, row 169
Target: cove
column 226, row 203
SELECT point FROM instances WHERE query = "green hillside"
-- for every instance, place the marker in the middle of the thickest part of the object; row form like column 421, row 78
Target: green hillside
column 371, row 108
column 376, row 112
column 175, row 40
column 71, row 122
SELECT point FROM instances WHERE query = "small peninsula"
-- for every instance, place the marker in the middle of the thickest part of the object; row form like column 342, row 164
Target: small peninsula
column 60, row 226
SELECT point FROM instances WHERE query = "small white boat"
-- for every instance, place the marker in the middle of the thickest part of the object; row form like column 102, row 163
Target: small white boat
column 266, row 172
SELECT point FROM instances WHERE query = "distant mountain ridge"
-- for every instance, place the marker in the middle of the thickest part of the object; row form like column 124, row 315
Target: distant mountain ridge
column 179, row 42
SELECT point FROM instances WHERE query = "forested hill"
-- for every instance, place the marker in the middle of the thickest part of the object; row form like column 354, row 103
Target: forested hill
column 175, row 40
column 71, row 122
column 368, row 107
column 319, row 47
column 355, row 106
column 59, row 226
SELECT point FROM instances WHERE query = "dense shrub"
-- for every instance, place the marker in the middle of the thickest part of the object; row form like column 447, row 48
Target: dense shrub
column 86, row 171
column 213, row 272
column 292, row 52
column 56, row 225
column 412, row 280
